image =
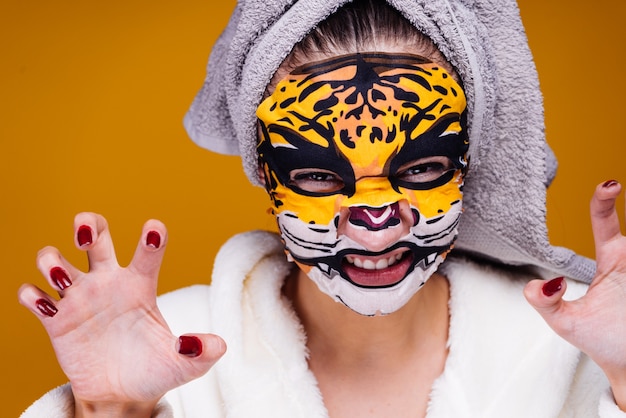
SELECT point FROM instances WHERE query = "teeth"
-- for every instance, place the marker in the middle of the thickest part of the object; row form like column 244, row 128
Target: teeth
column 367, row 264
column 382, row 264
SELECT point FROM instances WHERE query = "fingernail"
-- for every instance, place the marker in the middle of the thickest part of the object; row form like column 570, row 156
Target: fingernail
column 153, row 239
column 189, row 346
column 84, row 235
column 553, row 286
column 59, row 277
column 609, row 183
column 46, row 308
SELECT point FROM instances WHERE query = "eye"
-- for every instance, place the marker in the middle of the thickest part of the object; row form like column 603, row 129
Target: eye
column 424, row 170
column 315, row 180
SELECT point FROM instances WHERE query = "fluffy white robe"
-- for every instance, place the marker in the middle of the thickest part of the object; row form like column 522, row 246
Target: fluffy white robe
column 503, row 361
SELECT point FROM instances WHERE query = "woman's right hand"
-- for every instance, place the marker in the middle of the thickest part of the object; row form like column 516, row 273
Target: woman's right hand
column 107, row 332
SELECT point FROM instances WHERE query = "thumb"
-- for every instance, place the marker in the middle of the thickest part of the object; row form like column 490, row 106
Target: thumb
column 201, row 351
column 546, row 298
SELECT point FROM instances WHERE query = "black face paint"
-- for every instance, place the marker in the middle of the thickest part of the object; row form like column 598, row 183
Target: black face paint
column 377, row 138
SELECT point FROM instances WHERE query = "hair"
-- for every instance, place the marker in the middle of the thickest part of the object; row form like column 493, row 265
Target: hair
column 361, row 26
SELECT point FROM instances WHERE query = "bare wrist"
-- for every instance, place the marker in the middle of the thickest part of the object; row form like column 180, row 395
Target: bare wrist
column 618, row 387
column 86, row 409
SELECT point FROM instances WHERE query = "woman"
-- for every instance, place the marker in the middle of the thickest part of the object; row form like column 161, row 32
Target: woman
column 369, row 142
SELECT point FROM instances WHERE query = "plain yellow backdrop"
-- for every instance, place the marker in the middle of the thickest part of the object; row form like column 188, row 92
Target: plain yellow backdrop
column 92, row 97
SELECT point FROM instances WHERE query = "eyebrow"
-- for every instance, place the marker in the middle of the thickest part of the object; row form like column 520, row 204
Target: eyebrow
column 433, row 142
column 302, row 153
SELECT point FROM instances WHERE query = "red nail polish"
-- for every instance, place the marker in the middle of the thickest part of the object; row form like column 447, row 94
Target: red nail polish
column 84, row 235
column 189, row 346
column 153, row 239
column 60, row 278
column 46, row 308
column 553, row 286
column 609, row 183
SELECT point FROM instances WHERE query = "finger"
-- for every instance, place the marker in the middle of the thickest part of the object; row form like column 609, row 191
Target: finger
column 604, row 218
column 547, row 299
column 37, row 301
column 199, row 352
column 59, row 273
column 150, row 249
column 91, row 232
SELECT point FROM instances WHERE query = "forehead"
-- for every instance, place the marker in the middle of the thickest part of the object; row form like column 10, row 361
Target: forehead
column 364, row 107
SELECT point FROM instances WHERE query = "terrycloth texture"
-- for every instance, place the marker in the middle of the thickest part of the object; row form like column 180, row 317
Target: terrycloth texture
column 485, row 41
column 526, row 370
column 59, row 403
column 503, row 361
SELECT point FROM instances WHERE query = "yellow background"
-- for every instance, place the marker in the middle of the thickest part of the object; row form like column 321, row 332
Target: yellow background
column 92, row 97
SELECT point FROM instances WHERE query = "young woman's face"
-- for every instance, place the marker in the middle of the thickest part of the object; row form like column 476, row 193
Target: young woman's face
column 364, row 157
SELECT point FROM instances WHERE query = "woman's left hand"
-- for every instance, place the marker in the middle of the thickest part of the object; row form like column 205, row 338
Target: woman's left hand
column 595, row 323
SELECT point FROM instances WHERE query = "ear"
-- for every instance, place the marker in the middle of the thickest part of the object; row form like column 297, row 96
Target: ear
column 261, row 173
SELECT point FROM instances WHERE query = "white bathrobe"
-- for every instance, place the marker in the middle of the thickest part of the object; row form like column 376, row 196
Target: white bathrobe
column 503, row 362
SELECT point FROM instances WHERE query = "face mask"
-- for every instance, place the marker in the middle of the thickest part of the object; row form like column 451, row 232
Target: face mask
column 364, row 157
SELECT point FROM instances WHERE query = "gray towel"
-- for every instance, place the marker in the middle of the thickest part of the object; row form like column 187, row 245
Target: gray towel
column 511, row 164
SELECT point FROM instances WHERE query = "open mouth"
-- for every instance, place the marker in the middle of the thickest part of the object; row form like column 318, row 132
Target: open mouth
column 378, row 271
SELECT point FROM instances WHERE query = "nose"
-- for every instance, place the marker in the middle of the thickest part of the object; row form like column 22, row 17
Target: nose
column 376, row 228
column 375, row 219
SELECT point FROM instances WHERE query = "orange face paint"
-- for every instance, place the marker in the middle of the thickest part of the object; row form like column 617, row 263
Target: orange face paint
column 357, row 134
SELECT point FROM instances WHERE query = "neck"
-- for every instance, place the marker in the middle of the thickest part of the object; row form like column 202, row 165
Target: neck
column 338, row 335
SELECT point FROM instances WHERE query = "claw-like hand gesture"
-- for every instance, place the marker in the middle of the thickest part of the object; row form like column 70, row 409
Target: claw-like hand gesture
column 595, row 323
column 108, row 334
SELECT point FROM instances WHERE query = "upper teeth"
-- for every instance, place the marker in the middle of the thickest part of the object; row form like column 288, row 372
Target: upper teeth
column 382, row 263
column 368, row 264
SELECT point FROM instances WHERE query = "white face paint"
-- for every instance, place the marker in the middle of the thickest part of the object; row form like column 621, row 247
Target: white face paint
column 364, row 157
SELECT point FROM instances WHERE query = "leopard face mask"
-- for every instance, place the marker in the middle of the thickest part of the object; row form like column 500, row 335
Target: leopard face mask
column 364, row 157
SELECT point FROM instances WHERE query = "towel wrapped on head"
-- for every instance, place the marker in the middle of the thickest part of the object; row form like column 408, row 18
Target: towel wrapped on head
column 511, row 163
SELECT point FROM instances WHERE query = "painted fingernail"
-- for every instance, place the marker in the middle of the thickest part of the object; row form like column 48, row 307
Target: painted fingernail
column 84, row 235
column 189, row 346
column 153, row 239
column 46, row 308
column 60, row 278
column 609, row 183
column 553, row 286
